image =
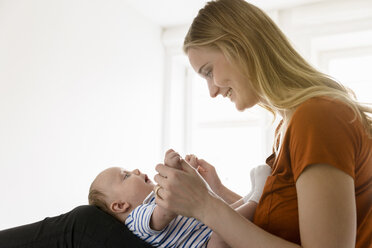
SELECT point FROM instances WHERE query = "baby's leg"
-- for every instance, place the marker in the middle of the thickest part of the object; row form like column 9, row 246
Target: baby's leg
column 216, row 242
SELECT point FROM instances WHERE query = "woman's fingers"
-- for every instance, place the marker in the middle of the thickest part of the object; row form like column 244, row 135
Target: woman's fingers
column 201, row 170
column 159, row 192
column 159, row 179
column 186, row 166
column 163, row 170
column 181, row 191
column 204, row 164
column 166, row 172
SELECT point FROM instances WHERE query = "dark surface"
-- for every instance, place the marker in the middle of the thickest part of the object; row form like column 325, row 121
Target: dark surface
column 83, row 227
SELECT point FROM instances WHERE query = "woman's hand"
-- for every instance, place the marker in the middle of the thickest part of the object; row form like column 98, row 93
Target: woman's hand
column 182, row 191
column 207, row 171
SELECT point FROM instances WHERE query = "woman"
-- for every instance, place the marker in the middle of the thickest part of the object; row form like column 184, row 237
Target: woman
column 320, row 191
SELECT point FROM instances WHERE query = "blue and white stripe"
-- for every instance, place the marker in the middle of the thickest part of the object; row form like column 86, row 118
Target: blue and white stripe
column 181, row 232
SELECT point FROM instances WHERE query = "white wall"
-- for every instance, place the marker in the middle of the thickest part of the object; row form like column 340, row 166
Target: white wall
column 80, row 90
column 310, row 25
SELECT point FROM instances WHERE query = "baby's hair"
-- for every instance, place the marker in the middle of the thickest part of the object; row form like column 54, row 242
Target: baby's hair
column 97, row 198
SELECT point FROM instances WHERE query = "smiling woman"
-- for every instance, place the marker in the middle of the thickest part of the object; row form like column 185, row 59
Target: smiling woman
column 222, row 77
column 236, row 47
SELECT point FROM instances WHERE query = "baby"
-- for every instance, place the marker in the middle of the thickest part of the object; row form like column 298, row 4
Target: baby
column 129, row 196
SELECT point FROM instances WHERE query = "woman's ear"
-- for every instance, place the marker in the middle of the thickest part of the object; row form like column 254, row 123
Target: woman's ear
column 120, row 207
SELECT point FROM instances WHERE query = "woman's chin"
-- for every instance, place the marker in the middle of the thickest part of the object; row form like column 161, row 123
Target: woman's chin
column 239, row 107
column 242, row 107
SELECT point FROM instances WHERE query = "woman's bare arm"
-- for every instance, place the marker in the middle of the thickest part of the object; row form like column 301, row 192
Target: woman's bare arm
column 228, row 195
column 327, row 208
column 327, row 214
column 209, row 173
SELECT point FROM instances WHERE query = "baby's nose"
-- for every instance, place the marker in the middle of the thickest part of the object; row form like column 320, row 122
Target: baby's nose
column 136, row 171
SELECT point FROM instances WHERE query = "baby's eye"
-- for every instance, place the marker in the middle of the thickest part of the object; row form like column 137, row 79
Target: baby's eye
column 126, row 176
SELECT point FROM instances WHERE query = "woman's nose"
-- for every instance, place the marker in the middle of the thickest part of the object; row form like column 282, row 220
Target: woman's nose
column 213, row 89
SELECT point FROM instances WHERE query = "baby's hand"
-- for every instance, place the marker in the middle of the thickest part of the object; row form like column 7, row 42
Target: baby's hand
column 192, row 160
column 172, row 159
column 207, row 171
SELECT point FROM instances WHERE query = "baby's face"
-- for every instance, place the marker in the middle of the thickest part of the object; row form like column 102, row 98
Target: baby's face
column 129, row 186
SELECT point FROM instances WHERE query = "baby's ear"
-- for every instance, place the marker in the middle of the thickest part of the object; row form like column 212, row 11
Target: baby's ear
column 119, row 207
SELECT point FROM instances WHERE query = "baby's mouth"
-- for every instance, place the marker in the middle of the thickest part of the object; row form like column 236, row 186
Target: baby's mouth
column 147, row 180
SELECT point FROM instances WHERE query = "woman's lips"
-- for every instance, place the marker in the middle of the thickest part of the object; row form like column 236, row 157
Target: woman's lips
column 229, row 93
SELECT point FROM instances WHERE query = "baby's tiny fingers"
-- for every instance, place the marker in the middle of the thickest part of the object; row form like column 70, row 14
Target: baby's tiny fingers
column 187, row 158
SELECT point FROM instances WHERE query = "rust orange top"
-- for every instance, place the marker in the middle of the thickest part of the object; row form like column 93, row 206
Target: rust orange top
column 321, row 130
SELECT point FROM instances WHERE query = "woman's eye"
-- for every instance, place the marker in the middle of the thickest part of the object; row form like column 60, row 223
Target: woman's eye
column 209, row 74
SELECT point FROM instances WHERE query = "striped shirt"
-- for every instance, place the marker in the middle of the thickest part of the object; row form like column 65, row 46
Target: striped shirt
column 180, row 232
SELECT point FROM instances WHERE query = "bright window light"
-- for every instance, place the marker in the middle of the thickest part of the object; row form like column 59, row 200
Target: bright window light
column 355, row 73
column 232, row 141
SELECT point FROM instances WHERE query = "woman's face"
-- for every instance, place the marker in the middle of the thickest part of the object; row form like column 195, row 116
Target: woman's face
column 222, row 77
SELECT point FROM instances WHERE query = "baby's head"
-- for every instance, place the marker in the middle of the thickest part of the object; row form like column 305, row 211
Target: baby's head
column 118, row 191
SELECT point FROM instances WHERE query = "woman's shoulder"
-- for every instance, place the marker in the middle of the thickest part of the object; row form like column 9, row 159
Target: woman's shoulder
column 325, row 116
column 323, row 108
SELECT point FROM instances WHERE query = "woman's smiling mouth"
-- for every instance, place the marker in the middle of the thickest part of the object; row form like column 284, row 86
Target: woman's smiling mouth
column 229, row 93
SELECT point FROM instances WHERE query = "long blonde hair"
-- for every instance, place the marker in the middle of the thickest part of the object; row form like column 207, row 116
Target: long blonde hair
column 253, row 43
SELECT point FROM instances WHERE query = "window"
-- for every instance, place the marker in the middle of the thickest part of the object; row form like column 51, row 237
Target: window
column 347, row 57
column 352, row 69
column 232, row 141
column 212, row 129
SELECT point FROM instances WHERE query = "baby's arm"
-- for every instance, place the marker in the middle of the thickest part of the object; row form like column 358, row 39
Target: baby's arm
column 161, row 217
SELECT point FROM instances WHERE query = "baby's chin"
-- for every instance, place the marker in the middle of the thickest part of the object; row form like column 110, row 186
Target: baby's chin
column 152, row 184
